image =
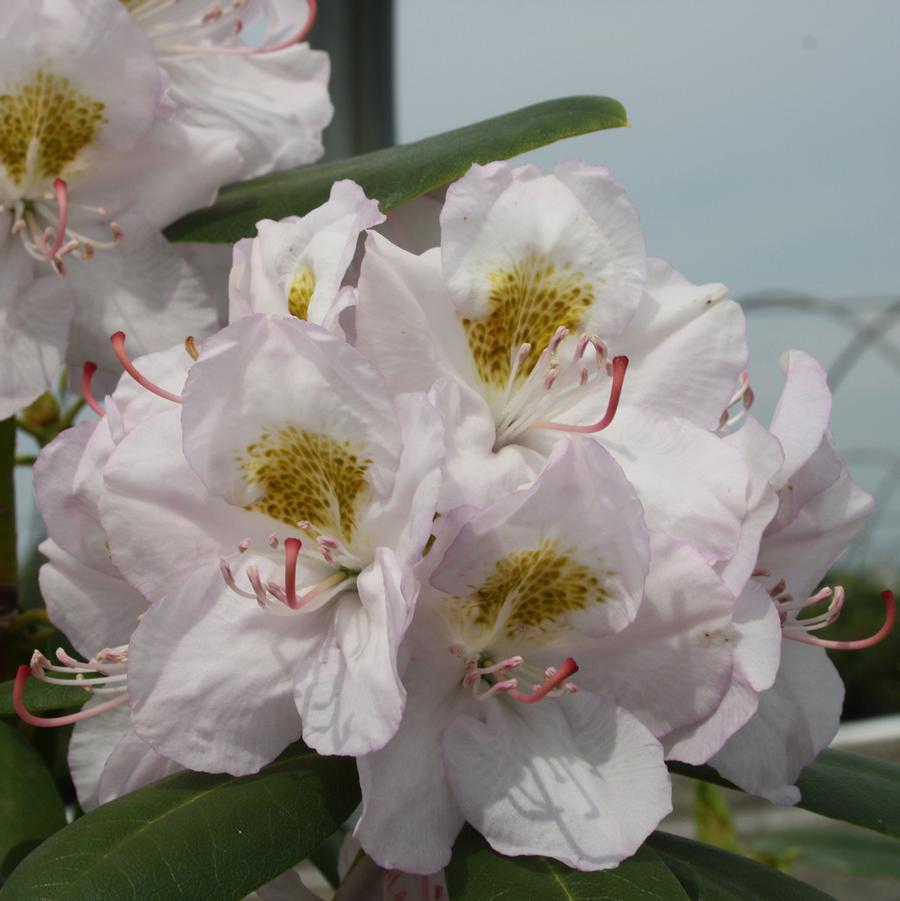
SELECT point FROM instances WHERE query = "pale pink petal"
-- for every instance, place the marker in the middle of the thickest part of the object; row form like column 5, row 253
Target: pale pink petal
column 347, row 688
column 575, row 779
column 757, row 653
column 691, row 483
column 94, row 609
column 796, row 719
column 804, row 409
column 132, row 765
column 686, row 347
column 672, row 665
column 210, row 677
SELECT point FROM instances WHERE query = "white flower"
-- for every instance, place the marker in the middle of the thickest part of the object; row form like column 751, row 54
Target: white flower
column 275, row 551
column 272, row 95
column 91, row 167
column 542, row 673
column 541, row 314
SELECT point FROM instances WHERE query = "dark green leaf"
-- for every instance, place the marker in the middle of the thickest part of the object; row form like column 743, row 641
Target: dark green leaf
column 837, row 850
column 40, row 697
column 397, row 174
column 842, row 785
column 193, row 835
column 30, row 806
column 709, row 874
column 478, row 873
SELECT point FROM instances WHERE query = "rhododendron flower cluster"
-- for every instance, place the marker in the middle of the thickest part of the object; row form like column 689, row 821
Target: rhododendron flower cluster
column 494, row 518
column 117, row 119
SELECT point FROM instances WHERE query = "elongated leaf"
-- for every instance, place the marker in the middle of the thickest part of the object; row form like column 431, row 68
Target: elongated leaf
column 397, row 174
column 478, row 873
column 841, row 785
column 710, row 874
column 194, row 836
column 837, row 850
column 30, row 806
column 40, row 697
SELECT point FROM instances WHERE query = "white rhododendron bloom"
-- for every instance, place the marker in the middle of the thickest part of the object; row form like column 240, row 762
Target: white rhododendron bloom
column 557, row 641
column 298, row 266
column 276, row 551
column 540, row 314
column 93, row 166
column 272, row 94
column 491, row 516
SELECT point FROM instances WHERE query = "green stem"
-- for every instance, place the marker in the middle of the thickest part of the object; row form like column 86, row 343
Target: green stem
column 39, row 435
column 8, row 565
column 26, row 460
column 69, row 416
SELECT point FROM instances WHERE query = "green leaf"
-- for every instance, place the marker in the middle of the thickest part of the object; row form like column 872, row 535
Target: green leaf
column 193, row 835
column 478, row 873
column 30, row 806
column 397, row 174
column 709, row 874
column 836, row 850
column 41, row 697
column 841, row 785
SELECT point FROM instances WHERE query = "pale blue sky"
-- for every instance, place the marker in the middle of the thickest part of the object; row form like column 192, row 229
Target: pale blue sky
column 763, row 151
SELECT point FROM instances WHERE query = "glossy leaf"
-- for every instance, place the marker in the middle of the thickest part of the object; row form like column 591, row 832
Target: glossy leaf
column 40, row 697
column 478, row 873
column 194, row 835
column 836, row 850
column 710, row 874
column 397, row 174
column 841, row 785
column 30, row 806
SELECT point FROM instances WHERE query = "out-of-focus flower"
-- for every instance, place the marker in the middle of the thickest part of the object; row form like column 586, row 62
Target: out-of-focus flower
column 91, row 166
column 538, row 300
column 503, row 728
column 271, row 94
column 276, row 551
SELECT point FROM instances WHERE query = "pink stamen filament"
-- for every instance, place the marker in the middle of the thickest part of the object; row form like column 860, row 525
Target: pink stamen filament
column 62, row 201
column 118, row 342
column 87, row 374
column 291, row 553
column 890, row 607
column 569, row 667
column 41, row 722
column 619, row 366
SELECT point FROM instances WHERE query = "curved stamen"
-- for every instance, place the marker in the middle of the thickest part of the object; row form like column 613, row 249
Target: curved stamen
column 118, row 342
column 42, row 722
column 87, row 374
column 619, row 365
column 890, row 607
column 60, row 188
column 312, row 11
column 556, row 680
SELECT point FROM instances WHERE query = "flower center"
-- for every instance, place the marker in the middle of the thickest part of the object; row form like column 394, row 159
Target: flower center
column 308, row 477
column 301, row 291
column 345, row 567
column 46, row 123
